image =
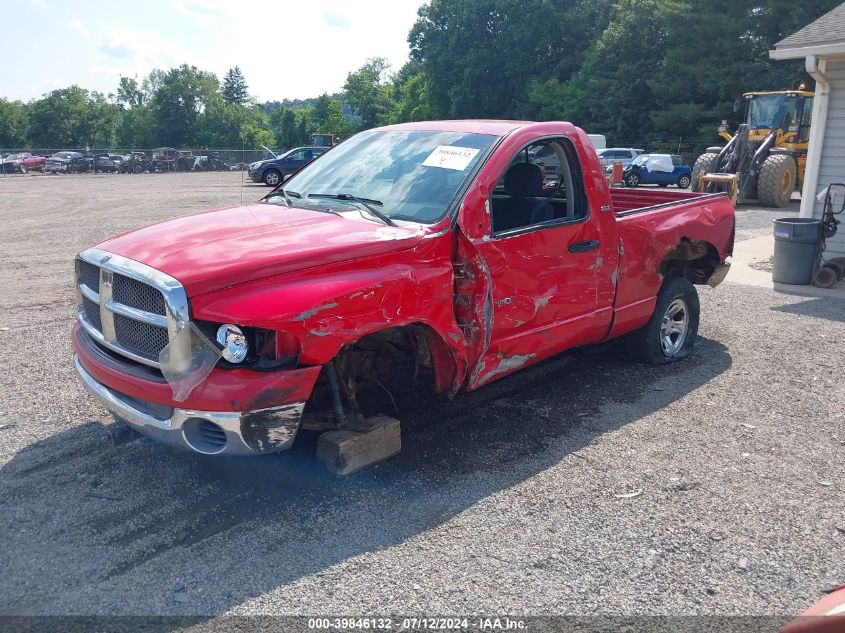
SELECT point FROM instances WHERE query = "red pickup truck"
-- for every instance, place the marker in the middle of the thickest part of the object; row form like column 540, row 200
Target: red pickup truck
column 438, row 255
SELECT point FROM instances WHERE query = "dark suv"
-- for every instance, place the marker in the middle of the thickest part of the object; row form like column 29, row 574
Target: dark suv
column 272, row 172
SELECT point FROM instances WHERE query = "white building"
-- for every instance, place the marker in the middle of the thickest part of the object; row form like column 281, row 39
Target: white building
column 821, row 45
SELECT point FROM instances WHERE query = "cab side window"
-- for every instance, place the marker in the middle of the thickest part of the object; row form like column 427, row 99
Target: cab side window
column 542, row 186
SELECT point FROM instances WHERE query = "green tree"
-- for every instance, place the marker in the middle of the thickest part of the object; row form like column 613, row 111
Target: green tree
column 698, row 81
column 135, row 117
column 234, row 89
column 369, row 94
column 130, row 93
column 283, row 122
column 73, row 117
column 14, row 124
column 327, row 117
column 179, row 96
column 611, row 92
column 481, row 56
column 409, row 89
column 255, row 130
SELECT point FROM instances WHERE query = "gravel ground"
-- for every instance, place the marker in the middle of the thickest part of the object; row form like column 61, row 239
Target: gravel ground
column 752, row 221
column 584, row 485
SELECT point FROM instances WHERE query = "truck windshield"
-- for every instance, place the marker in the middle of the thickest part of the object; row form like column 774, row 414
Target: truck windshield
column 414, row 174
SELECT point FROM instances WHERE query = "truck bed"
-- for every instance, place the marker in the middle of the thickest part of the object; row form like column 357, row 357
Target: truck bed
column 634, row 199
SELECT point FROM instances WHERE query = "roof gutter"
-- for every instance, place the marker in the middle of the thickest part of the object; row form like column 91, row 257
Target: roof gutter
column 815, row 68
column 820, row 50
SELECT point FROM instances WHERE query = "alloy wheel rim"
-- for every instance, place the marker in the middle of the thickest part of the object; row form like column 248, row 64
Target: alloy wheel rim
column 272, row 179
column 674, row 328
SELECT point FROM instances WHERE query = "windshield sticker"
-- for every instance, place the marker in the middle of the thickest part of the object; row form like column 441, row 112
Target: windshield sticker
column 450, row 157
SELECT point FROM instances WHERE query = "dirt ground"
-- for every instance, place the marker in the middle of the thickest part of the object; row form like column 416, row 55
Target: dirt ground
column 584, row 485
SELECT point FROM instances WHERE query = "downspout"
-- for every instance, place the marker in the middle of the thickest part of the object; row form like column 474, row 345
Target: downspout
column 817, row 129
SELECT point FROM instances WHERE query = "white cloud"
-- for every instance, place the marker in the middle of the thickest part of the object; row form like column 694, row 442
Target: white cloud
column 78, row 26
column 337, row 20
column 140, row 49
column 204, row 12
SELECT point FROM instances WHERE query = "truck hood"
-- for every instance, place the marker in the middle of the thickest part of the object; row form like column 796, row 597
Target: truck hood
column 217, row 249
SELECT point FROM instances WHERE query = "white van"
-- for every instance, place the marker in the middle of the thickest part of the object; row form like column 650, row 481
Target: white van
column 599, row 140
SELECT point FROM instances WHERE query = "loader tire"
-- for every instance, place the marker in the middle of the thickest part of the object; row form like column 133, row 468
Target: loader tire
column 703, row 165
column 777, row 180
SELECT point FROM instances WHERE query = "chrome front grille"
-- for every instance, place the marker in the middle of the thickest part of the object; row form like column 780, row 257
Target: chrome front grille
column 89, row 274
column 92, row 312
column 127, row 306
column 141, row 338
column 136, row 294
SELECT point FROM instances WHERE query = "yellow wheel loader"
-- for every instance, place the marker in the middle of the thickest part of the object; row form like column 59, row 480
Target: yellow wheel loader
column 767, row 156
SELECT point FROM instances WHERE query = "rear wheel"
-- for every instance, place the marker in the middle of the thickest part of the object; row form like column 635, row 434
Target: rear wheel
column 777, row 180
column 704, row 164
column 672, row 329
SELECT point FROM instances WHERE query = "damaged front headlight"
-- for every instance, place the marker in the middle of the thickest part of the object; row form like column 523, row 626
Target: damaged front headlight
column 235, row 346
column 193, row 353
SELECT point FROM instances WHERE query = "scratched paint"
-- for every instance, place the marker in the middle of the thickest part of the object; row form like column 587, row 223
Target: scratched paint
column 506, row 365
column 309, row 313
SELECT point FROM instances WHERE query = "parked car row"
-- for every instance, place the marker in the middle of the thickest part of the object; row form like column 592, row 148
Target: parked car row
column 21, row 162
column 76, row 161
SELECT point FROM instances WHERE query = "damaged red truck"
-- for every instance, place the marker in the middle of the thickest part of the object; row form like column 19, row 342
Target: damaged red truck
column 439, row 255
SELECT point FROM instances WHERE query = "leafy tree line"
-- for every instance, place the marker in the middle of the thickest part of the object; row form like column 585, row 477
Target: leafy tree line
column 643, row 72
column 639, row 71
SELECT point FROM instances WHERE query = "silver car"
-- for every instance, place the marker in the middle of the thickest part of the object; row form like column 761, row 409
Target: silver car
column 617, row 154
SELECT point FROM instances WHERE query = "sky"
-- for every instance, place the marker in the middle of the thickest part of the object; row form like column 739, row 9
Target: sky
column 287, row 49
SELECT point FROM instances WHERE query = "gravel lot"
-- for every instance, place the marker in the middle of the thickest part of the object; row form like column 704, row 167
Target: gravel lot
column 510, row 500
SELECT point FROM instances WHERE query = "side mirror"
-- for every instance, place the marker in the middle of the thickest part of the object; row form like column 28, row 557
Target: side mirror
column 737, row 105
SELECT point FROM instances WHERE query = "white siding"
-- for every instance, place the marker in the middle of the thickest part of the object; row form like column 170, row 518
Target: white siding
column 832, row 164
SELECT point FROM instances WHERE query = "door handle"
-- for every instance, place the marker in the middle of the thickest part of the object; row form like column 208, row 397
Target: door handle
column 583, row 247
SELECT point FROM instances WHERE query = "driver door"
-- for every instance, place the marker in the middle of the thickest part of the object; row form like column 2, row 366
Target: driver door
column 546, row 260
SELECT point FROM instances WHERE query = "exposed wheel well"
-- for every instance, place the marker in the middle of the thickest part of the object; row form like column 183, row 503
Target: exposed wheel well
column 691, row 260
column 384, row 371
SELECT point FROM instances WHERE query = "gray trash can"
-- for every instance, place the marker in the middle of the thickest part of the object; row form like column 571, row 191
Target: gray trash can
column 797, row 242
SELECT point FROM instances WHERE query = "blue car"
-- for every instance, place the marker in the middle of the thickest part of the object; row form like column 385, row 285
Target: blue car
column 657, row 169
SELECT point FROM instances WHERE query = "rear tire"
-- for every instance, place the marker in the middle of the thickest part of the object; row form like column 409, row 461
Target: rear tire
column 703, row 165
column 671, row 331
column 777, row 180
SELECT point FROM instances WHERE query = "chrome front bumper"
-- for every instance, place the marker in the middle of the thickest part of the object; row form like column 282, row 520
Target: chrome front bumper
column 207, row 432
